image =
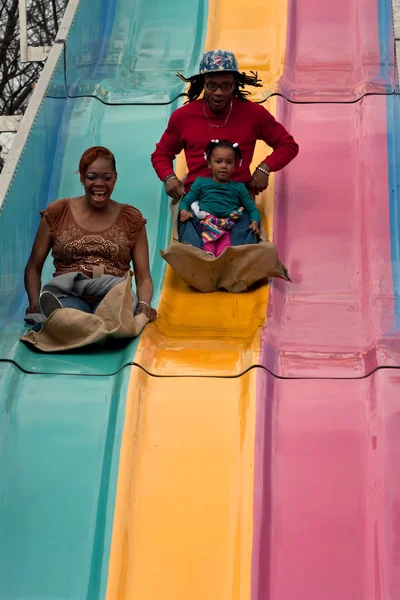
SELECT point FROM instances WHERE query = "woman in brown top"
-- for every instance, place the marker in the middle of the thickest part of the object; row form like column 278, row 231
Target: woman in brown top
column 92, row 237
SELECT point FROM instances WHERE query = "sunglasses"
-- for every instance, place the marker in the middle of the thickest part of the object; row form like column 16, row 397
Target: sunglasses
column 225, row 87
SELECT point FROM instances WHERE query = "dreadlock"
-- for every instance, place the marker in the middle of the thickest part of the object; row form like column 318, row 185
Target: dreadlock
column 241, row 80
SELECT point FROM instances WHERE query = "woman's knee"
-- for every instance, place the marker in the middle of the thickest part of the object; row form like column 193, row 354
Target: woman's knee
column 75, row 302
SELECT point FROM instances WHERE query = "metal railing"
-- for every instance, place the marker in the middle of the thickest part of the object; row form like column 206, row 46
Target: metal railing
column 10, row 123
column 29, row 53
column 26, row 121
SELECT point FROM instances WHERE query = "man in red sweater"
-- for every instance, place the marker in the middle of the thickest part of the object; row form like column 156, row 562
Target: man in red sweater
column 222, row 112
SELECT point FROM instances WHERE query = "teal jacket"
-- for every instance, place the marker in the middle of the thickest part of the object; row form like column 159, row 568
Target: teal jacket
column 220, row 199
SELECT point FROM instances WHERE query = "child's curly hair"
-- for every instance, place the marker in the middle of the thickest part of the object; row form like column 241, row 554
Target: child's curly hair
column 222, row 144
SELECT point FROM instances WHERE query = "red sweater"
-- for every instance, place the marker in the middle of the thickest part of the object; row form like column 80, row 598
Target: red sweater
column 189, row 129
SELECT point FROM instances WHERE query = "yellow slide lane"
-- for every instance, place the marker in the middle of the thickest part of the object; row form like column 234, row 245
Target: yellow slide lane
column 192, row 327
column 183, row 517
column 183, row 523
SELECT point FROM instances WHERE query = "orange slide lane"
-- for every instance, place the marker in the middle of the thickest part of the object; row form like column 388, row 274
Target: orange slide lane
column 183, row 523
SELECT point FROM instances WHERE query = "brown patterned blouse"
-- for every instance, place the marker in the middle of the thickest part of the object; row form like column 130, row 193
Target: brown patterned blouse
column 75, row 249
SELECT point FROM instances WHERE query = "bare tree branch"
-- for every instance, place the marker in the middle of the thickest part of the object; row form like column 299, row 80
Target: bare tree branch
column 17, row 80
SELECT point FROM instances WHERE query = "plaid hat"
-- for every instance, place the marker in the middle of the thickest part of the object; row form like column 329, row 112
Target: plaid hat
column 218, row 60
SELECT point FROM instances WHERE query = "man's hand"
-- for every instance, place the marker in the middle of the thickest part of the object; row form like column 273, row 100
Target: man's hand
column 185, row 215
column 259, row 181
column 254, row 227
column 175, row 188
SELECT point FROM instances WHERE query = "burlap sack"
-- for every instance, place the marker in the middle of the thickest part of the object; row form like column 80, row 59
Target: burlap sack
column 234, row 270
column 68, row 328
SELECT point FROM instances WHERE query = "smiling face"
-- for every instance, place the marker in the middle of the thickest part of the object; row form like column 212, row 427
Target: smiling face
column 222, row 164
column 99, row 181
column 218, row 90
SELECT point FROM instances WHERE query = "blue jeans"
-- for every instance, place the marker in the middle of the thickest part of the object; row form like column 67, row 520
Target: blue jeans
column 73, row 302
column 79, row 304
column 89, row 307
column 190, row 232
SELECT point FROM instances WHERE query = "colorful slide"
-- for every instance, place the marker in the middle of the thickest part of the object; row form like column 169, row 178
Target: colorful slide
column 246, row 447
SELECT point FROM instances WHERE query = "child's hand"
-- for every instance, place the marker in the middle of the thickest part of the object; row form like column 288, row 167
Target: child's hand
column 185, row 215
column 254, row 227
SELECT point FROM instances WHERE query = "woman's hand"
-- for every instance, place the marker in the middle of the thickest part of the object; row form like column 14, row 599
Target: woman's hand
column 259, row 181
column 149, row 311
column 175, row 188
column 254, row 227
column 33, row 270
column 32, row 309
column 185, row 215
column 144, row 284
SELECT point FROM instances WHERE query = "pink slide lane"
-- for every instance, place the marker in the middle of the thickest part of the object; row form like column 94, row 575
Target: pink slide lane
column 333, row 52
column 332, row 229
column 327, row 493
column 327, row 483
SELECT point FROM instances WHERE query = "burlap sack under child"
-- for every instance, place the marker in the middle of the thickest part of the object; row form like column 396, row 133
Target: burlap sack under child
column 237, row 268
column 68, row 328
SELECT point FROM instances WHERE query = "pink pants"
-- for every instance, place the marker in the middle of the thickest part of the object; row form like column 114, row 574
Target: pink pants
column 217, row 247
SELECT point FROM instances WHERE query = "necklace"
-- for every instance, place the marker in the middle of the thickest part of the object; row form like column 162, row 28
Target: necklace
column 217, row 126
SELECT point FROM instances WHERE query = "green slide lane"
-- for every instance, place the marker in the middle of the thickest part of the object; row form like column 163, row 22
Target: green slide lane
column 61, row 415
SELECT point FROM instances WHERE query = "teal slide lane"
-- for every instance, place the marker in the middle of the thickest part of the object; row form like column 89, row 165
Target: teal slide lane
column 65, row 128
column 62, row 415
column 386, row 38
column 59, row 444
column 149, row 43
column 393, row 120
